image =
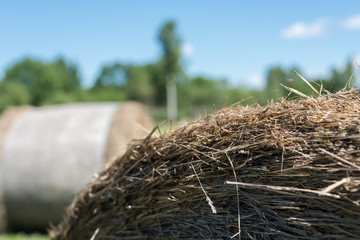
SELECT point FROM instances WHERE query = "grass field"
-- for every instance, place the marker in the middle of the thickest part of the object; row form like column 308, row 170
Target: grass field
column 23, row 237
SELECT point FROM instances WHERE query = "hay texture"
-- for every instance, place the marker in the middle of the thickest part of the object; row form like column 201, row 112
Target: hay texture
column 289, row 170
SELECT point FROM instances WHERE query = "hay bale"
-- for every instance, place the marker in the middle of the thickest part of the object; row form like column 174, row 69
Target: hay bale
column 6, row 120
column 50, row 153
column 131, row 120
column 285, row 171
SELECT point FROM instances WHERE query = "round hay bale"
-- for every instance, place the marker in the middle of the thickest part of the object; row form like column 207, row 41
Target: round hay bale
column 50, row 153
column 131, row 120
column 6, row 119
column 285, row 171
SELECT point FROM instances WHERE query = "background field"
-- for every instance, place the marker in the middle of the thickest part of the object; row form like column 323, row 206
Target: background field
column 23, row 237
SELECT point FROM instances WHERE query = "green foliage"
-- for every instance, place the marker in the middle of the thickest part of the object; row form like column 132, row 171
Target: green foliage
column 21, row 236
column 112, row 76
column 59, row 97
column 274, row 77
column 35, row 77
column 43, row 80
column 104, row 95
column 203, row 91
column 337, row 81
column 242, row 96
column 139, row 87
column 13, row 94
column 35, row 82
column 170, row 44
column 128, row 81
column 158, row 81
column 67, row 74
column 205, row 94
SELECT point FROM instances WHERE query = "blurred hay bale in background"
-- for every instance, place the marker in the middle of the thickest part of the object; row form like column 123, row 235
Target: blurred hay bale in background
column 285, row 171
column 131, row 120
column 49, row 153
column 6, row 119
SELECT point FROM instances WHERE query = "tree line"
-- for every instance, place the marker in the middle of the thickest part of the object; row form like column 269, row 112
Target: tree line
column 35, row 82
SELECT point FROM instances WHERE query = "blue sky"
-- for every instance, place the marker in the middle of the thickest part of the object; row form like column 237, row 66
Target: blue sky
column 234, row 40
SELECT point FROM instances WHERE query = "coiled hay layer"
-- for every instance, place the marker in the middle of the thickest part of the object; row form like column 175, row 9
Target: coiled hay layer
column 285, row 171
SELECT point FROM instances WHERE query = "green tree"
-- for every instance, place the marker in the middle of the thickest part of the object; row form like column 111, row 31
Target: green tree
column 170, row 44
column 139, row 87
column 242, row 96
column 158, row 82
column 204, row 91
column 112, row 76
column 42, row 80
column 339, row 79
column 274, row 78
column 13, row 94
column 68, row 74
column 110, row 84
column 131, row 81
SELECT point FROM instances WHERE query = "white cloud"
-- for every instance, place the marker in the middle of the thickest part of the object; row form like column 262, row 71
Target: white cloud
column 302, row 30
column 187, row 49
column 352, row 23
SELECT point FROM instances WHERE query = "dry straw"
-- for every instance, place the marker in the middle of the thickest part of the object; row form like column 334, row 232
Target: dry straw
column 289, row 170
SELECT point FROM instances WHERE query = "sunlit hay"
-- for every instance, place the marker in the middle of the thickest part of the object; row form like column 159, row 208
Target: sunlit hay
column 289, row 170
column 130, row 121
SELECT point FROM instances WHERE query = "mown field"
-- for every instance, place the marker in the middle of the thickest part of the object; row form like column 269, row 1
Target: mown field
column 23, row 237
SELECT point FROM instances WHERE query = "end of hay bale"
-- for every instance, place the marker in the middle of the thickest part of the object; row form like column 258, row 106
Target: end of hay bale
column 131, row 121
